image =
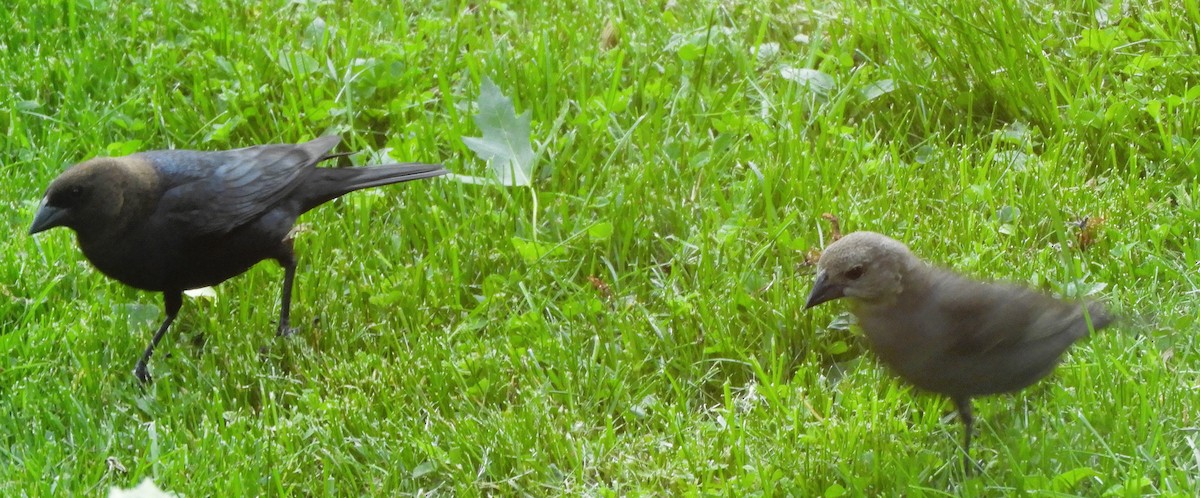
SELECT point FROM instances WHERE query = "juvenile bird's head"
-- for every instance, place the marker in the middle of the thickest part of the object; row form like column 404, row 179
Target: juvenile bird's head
column 864, row 266
column 98, row 196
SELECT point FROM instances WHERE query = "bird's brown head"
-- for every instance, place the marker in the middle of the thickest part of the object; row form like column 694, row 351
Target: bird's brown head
column 97, row 196
column 864, row 266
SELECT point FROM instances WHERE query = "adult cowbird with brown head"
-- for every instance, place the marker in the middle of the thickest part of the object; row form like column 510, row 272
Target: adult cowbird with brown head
column 174, row 220
column 945, row 333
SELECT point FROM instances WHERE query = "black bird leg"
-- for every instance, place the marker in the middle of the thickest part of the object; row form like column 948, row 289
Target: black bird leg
column 963, row 405
column 286, row 259
column 172, row 301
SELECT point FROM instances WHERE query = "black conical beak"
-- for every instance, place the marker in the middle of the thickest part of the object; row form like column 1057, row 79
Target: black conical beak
column 823, row 291
column 47, row 217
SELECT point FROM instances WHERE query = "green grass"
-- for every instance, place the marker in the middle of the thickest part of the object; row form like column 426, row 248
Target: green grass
column 670, row 357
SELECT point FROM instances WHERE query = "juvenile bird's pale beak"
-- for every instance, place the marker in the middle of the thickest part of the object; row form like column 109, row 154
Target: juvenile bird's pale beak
column 47, row 217
column 823, row 291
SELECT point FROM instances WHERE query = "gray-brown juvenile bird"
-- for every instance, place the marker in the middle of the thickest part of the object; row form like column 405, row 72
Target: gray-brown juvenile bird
column 173, row 220
column 945, row 333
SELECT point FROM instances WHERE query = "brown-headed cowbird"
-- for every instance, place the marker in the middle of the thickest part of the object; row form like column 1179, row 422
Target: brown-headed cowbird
column 945, row 333
column 174, row 220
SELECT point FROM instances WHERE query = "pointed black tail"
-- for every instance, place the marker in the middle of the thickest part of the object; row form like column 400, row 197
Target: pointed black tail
column 330, row 183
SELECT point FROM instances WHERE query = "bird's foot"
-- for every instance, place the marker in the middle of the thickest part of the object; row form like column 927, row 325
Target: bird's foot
column 142, row 373
column 972, row 467
column 286, row 330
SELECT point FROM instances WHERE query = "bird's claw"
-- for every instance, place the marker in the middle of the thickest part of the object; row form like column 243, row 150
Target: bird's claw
column 972, row 467
column 286, row 330
column 142, row 373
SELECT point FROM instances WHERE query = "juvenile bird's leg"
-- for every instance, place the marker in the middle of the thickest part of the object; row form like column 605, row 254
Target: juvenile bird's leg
column 286, row 259
column 172, row 301
column 963, row 405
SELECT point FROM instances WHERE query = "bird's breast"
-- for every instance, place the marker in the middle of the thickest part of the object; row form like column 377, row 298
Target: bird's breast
column 130, row 261
column 164, row 260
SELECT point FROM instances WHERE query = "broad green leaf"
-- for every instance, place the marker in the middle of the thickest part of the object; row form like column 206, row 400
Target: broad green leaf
column 816, row 81
column 600, row 231
column 531, row 251
column 423, row 469
column 878, row 89
column 123, row 148
column 297, row 63
column 505, row 143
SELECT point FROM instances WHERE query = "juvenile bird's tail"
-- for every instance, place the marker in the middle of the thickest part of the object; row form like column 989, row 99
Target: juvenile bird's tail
column 331, row 183
column 1099, row 315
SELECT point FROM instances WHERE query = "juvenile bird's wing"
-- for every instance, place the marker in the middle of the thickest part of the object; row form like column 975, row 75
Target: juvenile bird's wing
column 212, row 193
column 1000, row 338
column 986, row 317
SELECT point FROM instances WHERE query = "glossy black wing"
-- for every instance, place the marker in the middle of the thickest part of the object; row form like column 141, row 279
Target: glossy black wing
column 212, row 193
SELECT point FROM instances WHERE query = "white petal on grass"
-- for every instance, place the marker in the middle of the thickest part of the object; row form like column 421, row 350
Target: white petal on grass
column 146, row 489
column 203, row 292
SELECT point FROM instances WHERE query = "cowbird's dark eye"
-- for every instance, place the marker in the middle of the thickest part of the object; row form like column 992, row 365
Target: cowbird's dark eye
column 854, row 273
column 68, row 197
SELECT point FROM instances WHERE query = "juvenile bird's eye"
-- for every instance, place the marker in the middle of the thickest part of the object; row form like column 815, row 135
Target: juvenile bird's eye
column 854, row 273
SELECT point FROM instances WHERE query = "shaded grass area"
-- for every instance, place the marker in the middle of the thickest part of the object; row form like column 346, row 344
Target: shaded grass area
column 670, row 356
